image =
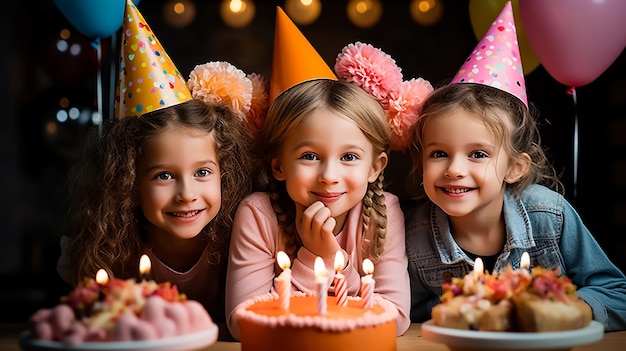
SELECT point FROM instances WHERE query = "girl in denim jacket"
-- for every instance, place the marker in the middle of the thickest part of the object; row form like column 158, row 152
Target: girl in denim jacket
column 491, row 193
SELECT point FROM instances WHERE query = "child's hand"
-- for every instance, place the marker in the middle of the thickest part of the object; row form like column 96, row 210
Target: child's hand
column 315, row 226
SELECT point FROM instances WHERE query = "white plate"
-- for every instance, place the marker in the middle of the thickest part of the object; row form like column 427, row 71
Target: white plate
column 459, row 340
column 186, row 342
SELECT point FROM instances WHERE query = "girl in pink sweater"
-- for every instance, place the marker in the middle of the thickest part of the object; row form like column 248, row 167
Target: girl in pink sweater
column 326, row 145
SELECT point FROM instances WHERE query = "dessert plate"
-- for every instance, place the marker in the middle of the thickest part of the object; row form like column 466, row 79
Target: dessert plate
column 466, row 340
column 185, row 342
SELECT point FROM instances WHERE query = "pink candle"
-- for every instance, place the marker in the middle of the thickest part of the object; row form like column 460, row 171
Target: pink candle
column 341, row 290
column 367, row 284
column 283, row 281
column 321, row 285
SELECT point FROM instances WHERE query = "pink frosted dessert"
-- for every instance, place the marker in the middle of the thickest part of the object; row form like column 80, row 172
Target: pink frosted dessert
column 119, row 310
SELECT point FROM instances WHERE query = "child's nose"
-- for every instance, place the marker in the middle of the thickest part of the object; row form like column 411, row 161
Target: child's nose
column 329, row 172
column 456, row 169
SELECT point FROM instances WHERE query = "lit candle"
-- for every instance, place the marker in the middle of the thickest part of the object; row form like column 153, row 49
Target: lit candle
column 102, row 277
column 479, row 271
column 283, row 281
column 144, row 266
column 479, row 268
column 341, row 290
column 321, row 285
column 525, row 261
column 367, row 284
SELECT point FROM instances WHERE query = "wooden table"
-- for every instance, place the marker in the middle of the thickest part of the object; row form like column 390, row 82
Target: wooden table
column 410, row 341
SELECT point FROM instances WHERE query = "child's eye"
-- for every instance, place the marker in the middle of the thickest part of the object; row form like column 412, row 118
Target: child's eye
column 438, row 154
column 349, row 157
column 479, row 154
column 164, row 176
column 204, row 172
column 309, row 157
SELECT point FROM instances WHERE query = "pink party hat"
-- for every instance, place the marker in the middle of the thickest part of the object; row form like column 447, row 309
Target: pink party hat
column 496, row 59
column 148, row 79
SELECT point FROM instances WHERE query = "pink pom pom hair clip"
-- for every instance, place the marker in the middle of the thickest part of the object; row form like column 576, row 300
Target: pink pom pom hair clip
column 377, row 73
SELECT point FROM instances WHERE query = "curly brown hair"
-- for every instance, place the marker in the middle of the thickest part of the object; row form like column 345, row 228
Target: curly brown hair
column 104, row 223
column 511, row 122
column 286, row 112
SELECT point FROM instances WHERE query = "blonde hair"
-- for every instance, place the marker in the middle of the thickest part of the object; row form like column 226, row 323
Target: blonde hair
column 105, row 225
column 287, row 111
column 510, row 121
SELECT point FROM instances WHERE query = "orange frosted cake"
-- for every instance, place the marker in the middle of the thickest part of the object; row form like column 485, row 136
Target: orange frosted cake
column 513, row 300
column 120, row 310
column 265, row 326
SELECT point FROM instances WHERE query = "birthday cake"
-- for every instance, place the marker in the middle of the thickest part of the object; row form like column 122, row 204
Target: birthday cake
column 539, row 300
column 120, row 310
column 265, row 326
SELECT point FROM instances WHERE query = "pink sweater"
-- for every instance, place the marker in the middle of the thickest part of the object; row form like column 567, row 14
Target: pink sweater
column 254, row 244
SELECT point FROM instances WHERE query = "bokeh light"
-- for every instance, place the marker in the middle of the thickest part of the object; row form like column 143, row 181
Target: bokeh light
column 179, row 13
column 426, row 12
column 303, row 12
column 364, row 13
column 237, row 13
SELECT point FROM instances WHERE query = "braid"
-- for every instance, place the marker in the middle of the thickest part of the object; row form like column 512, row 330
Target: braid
column 285, row 215
column 374, row 209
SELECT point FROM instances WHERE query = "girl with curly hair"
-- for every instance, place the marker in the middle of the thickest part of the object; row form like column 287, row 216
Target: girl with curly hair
column 166, row 184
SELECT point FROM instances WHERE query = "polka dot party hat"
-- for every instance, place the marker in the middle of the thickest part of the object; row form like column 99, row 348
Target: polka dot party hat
column 148, row 79
column 496, row 59
column 294, row 60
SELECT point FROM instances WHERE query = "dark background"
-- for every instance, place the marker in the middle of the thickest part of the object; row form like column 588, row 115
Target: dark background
column 36, row 151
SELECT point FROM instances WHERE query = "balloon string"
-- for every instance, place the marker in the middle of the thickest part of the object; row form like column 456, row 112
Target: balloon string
column 99, row 84
column 572, row 92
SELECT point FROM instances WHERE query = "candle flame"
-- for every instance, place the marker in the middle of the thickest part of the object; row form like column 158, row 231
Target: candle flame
column 478, row 267
column 319, row 267
column 525, row 260
column 283, row 260
column 339, row 261
column 368, row 266
column 102, row 277
column 144, row 265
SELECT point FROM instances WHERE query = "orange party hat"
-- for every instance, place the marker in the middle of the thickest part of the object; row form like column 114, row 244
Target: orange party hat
column 295, row 60
column 496, row 59
column 148, row 79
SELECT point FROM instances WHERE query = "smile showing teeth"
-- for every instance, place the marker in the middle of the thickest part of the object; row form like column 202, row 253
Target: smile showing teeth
column 185, row 214
column 456, row 190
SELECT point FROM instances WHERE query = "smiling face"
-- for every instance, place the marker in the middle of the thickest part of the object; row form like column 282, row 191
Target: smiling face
column 464, row 166
column 178, row 183
column 327, row 158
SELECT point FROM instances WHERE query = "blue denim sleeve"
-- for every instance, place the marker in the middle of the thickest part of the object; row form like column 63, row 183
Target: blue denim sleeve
column 600, row 283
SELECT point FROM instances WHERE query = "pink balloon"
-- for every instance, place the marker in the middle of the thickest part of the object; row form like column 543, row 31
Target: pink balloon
column 575, row 40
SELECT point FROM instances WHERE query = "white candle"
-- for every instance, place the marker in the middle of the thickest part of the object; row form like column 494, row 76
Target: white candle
column 341, row 290
column 283, row 281
column 144, row 266
column 479, row 268
column 479, row 271
column 367, row 284
column 525, row 260
column 321, row 285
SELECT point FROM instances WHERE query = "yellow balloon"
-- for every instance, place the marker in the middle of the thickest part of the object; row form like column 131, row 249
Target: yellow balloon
column 484, row 12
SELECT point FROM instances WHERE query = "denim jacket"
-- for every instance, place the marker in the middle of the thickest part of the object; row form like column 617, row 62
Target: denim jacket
column 540, row 222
